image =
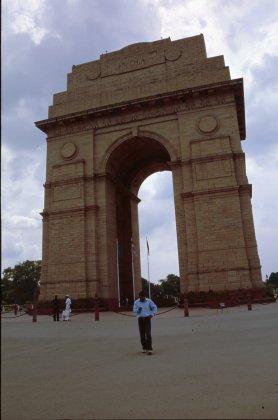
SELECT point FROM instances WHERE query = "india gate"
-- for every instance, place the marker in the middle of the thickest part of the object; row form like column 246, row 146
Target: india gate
column 149, row 107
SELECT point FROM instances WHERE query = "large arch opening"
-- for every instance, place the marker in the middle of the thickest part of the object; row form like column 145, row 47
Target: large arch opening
column 127, row 167
column 157, row 223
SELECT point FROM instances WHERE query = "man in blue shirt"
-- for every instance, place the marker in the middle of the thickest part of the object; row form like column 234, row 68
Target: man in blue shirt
column 145, row 309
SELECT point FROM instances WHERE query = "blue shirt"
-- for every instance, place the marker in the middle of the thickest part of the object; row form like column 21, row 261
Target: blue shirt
column 149, row 308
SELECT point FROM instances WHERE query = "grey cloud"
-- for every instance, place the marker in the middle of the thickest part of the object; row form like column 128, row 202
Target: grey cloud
column 34, row 73
column 266, row 74
column 261, row 115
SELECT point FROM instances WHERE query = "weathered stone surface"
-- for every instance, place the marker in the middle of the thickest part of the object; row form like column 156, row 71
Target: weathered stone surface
column 148, row 107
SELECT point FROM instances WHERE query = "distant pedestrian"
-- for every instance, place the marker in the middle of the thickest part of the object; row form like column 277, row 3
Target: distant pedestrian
column 145, row 309
column 67, row 311
column 56, row 308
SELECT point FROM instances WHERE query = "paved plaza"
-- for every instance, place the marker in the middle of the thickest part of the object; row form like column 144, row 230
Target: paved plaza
column 211, row 365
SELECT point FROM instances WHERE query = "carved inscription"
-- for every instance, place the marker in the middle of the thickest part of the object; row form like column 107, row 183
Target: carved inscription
column 110, row 65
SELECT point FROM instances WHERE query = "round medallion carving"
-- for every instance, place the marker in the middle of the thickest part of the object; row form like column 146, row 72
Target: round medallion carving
column 207, row 124
column 94, row 72
column 172, row 54
column 68, row 150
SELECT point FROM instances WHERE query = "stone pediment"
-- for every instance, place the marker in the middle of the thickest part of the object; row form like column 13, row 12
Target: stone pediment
column 137, row 71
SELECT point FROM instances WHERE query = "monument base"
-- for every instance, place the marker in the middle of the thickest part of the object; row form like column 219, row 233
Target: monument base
column 79, row 305
column 211, row 299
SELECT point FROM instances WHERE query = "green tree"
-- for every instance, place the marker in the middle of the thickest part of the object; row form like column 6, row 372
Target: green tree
column 273, row 279
column 156, row 291
column 19, row 284
column 7, row 286
column 170, row 286
column 166, row 287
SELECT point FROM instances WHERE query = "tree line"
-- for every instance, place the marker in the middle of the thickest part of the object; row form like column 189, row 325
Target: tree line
column 165, row 288
column 19, row 284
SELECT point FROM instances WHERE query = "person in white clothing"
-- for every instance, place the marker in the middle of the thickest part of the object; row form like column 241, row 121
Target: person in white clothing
column 67, row 311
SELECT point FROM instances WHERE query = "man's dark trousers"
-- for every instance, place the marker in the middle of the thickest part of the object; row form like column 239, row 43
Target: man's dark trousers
column 145, row 332
column 56, row 315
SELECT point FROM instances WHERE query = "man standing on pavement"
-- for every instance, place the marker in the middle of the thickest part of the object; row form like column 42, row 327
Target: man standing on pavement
column 145, row 309
column 56, row 308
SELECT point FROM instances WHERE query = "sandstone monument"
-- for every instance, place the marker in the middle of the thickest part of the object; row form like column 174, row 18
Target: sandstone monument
column 151, row 106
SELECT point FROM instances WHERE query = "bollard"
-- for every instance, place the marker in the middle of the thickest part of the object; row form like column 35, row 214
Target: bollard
column 249, row 302
column 34, row 313
column 96, row 308
column 186, row 311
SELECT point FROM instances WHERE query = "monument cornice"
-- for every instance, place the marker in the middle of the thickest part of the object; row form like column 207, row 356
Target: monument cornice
column 222, row 270
column 72, row 281
column 160, row 105
column 245, row 190
column 210, row 158
column 237, row 189
column 211, row 191
column 46, row 214
column 68, row 181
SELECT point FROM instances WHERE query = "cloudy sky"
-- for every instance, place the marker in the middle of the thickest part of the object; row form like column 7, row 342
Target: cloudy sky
column 42, row 39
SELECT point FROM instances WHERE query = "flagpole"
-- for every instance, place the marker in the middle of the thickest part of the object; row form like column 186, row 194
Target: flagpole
column 118, row 274
column 149, row 278
column 132, row 261
column 148, row 253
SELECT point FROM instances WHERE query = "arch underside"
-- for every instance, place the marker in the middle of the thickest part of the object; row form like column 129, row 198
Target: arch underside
column 128, row 166
column 135, row 159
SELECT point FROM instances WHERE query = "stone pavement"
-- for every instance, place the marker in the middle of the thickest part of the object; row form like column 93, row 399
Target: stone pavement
column 207, row 366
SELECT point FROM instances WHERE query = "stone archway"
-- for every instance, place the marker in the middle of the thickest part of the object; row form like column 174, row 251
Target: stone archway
column 162, row 105
column 127, row 167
